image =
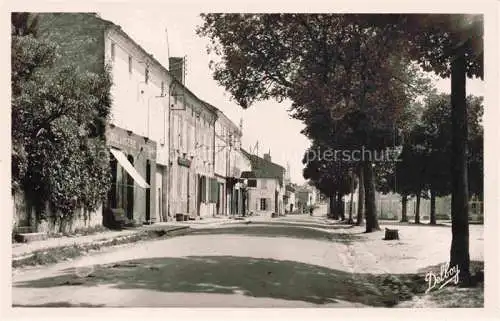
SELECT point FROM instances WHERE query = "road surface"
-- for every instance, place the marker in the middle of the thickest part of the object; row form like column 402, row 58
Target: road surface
column 297, row 261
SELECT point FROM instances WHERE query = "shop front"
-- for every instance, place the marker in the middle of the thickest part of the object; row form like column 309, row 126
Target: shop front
column 133, row 168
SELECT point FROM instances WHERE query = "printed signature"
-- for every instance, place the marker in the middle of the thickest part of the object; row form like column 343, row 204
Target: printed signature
column 445, row 276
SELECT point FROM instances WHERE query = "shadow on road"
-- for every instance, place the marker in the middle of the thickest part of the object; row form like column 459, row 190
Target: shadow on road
column 58, row 305
column 281, row 230
column 253, row 277
column 326, row 226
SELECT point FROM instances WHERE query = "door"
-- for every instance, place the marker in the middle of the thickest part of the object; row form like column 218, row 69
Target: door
column 148, row 191
column 276, row 202
column 199, row 198
column 159, row 195
column 187, row 190
column 130, row 191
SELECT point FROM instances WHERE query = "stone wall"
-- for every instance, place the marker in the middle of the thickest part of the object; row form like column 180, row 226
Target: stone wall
column 24, row 216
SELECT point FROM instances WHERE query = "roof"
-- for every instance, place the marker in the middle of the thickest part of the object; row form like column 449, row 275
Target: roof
column 263, row 168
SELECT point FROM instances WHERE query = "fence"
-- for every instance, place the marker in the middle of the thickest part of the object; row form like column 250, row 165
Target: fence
column 390, row 208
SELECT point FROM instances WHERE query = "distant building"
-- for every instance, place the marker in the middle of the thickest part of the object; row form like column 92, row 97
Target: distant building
column 289, row 198
column 266, row 186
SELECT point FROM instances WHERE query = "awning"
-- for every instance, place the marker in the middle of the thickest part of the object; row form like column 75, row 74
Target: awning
column 123, row 161
column 247, row 174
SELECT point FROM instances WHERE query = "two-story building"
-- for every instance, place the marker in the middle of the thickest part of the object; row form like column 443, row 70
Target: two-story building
column 138, row 128
column 266, row 186
column 136, row 131
column 230, row 163
column 192, row 140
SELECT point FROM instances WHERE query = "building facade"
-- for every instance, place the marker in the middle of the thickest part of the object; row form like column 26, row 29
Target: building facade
column 171, row 152
column 266, row 188
column 230, row 163
column 141, row 95
column 192, row 188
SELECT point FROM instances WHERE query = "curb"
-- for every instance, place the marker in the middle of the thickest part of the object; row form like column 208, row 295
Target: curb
column 108, row 242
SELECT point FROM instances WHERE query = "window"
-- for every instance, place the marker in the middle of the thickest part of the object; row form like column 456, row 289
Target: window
column 263, row 184
column 113, row 51
column 146, row 75
column 263, row 204
column 252, row 183
column 162, row 93
column 130, row 64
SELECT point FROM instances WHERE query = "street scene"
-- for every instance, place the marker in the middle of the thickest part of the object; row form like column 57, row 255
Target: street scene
column 247, row 160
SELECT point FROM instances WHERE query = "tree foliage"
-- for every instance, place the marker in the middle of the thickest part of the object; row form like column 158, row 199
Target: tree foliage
column 347, row 80
column 59, row 155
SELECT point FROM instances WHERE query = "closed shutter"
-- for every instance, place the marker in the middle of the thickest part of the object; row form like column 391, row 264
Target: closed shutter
column 203, row 189
column 214, row 187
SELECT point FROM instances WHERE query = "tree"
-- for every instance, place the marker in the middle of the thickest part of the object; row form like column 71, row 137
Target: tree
column 59, row 153
column 452, row 46
column 330, row 178
column 437, row 123
column 329, row 65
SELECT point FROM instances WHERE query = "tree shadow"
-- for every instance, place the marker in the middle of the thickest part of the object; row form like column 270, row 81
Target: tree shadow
column 58, row 305
column 329, row 226
column 268, row 230
column 264, row 278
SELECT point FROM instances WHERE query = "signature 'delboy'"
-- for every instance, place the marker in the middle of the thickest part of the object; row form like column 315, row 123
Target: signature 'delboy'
column 445, row 276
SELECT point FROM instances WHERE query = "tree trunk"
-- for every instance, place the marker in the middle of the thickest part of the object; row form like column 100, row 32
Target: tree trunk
column 335, row 207
column 417, row 210
column 433, row 208
column 404, row 208
column 351, row 221
column 361, row 197
column 371, row 208
column 340, row 207
column 459, row 252
column 332, row 206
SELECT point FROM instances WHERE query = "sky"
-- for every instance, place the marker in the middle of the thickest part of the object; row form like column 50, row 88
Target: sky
column 267, row 123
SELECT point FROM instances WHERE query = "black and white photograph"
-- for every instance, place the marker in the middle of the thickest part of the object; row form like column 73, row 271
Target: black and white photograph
column 169, row 156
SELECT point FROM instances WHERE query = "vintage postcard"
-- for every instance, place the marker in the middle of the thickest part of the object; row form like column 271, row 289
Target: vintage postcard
column 169, row 155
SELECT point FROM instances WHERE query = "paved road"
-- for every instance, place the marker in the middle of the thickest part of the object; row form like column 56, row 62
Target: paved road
column 296, row 261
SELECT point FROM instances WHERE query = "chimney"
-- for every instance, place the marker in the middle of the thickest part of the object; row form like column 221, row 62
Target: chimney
column 176, row 68
column 267, row 157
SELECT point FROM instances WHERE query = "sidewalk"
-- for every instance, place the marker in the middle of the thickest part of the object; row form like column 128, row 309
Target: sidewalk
column 20, row 250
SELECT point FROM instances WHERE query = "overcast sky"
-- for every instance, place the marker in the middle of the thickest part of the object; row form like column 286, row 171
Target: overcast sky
column 266, row 122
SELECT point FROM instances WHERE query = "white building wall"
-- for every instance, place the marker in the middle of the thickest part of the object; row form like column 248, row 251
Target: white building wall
column 266, row 188
column 137, row 105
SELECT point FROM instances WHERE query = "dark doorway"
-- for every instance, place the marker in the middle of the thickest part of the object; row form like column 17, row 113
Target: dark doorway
column 236, row 201
column 244, row 203
column 276, row 202
column 199, row 199
column 130, row 191
column 113, row 190
column 148, row 191
column 187, row 192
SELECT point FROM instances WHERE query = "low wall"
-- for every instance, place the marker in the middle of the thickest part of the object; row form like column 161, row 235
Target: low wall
column 24, row 216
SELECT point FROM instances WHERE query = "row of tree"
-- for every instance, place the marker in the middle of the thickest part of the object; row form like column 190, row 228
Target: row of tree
column 423, row 168
column 353, row 80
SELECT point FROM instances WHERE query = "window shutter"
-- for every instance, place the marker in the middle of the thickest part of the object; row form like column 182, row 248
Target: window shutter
column 214, row 186
column 203, row 189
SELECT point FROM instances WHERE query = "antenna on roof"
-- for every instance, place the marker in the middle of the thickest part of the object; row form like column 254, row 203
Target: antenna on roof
column 168, row 46
column 255, row 149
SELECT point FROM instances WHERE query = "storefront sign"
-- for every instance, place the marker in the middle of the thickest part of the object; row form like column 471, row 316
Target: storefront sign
column 184, row 162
